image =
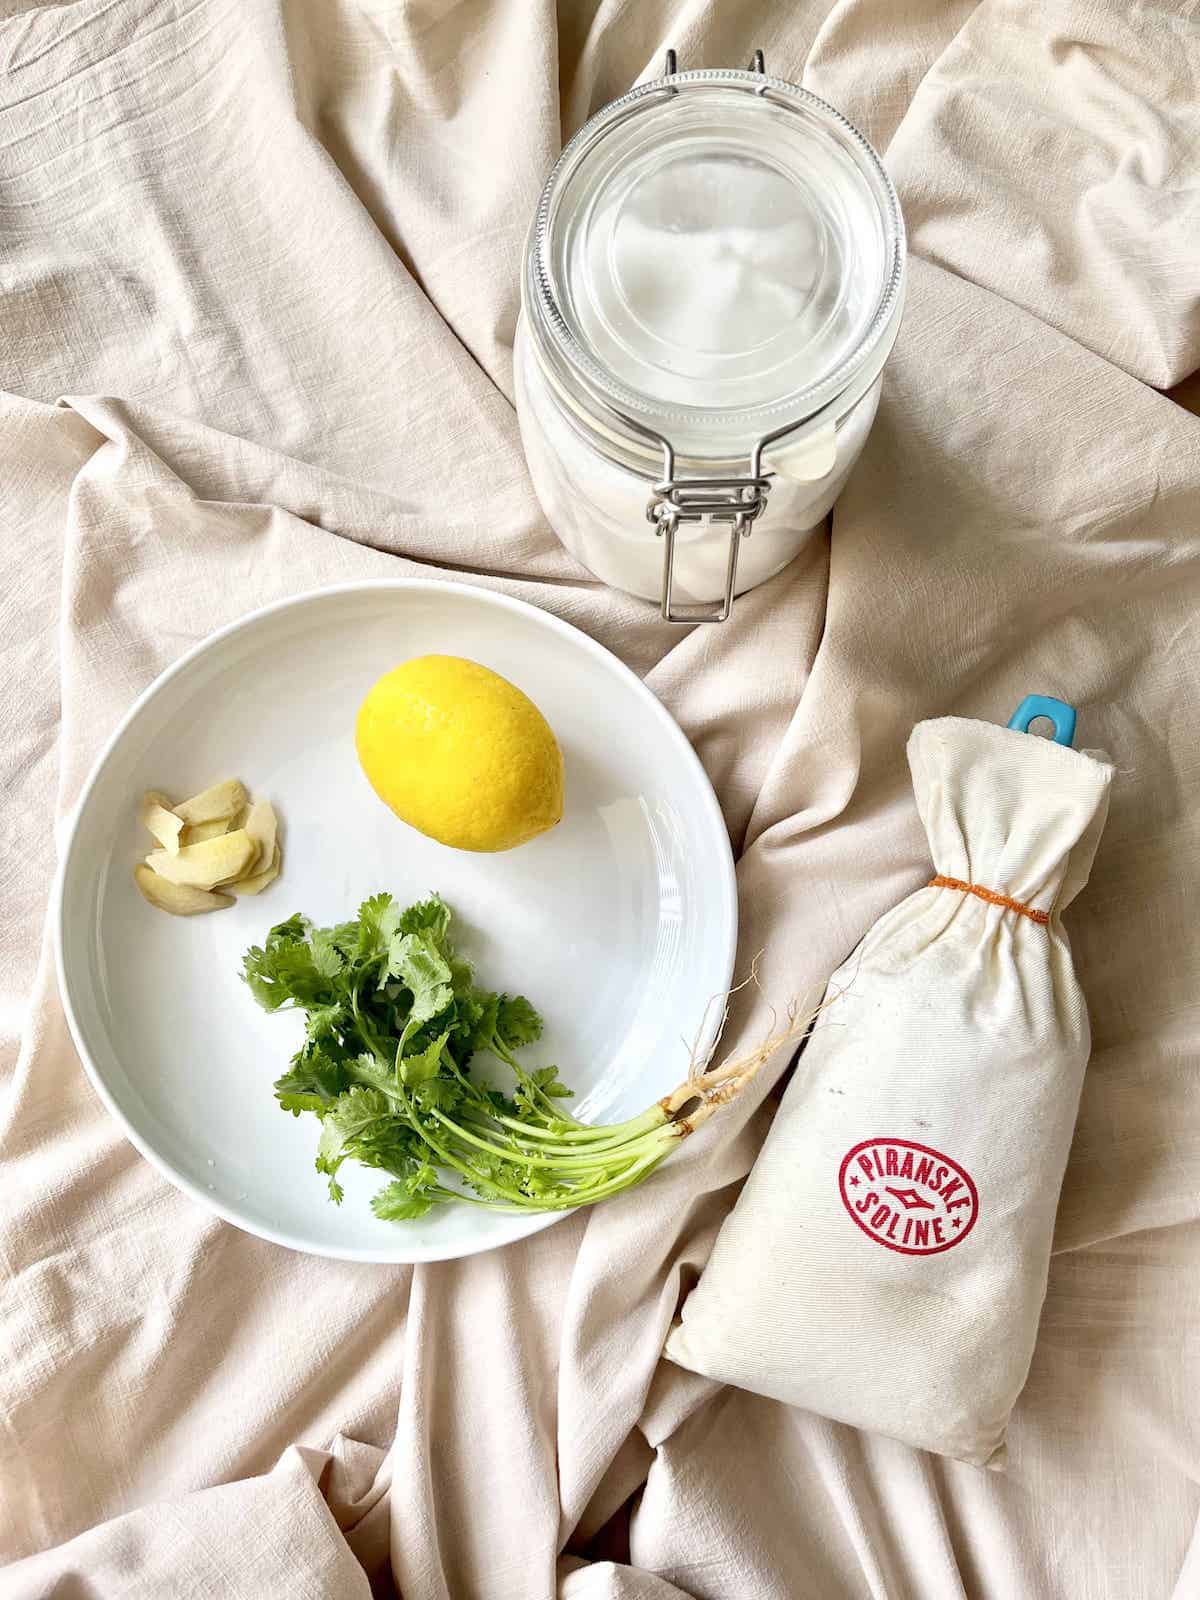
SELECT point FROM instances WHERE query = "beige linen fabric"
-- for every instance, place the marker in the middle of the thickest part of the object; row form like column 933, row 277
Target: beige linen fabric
column 258, row 283
column 938, row 1092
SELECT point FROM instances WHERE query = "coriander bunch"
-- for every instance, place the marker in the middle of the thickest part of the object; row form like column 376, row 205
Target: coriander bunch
column 394, row 1024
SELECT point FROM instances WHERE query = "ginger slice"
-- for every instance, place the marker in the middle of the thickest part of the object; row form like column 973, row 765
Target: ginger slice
column 200, row 831
column 258, row 881
column 177, row 898
column 159, row 820
column 223, row 800
column 260, row 823
column 208, row 864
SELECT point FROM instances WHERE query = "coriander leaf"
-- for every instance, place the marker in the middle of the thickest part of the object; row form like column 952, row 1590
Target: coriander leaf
column 344, row 937
column 312, row 1076
column 390, row 1143
column 517, row 1023
column 486, row 1010
column 422, row 1065
column 326, row 958
column 462, row 976
column 488, row 1169
column 539, row 1184
column 345, row 1120
column 257, row 974
column 548, row 1081
column 298, row 1102
column 528, row 1103
column 300, row 976
column 378, row 919
column 396, row 1204
column 294, row 965
column 414, row 959
column 421, row 1176
column 261, row 965
column 430, row 916
column 368, row 1070
column 324, row 1021
column 437, row 1094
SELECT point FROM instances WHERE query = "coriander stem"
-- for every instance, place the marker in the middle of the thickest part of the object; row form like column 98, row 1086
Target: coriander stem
column 587, row 1197
column 386, row 1061
column 443, row 1195
column 582, row 1132
column 593, row 1152
column 452, row 1161
column 552, row 1108
column 569, row 1161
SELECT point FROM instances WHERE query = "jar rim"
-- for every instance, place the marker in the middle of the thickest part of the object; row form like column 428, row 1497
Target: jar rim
column 592, row 383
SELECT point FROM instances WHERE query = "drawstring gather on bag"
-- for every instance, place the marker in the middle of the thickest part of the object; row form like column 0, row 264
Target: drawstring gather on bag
column 992, row 897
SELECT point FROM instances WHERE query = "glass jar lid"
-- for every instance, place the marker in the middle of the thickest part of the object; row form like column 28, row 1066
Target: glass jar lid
column 716, row 254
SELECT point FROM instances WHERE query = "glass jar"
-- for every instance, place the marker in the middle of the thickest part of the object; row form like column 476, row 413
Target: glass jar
column 711, row 286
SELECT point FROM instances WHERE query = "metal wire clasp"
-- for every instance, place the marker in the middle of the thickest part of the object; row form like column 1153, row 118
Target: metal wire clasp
column 737, row 500
column 671, row 64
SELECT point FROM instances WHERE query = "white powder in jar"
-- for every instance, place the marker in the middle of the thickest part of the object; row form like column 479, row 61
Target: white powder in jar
column 598, row 508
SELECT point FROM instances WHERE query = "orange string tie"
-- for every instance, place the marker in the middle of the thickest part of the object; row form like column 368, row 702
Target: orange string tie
column 992, row 897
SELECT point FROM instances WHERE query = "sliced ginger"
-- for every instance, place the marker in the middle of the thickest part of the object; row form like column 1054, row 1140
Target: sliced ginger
column 217, row 840
column 177, row 898
column 158, row 818
column 204, row 866
column 200, row 831
column 259, row 823
column 217, row 804
column 259, row 881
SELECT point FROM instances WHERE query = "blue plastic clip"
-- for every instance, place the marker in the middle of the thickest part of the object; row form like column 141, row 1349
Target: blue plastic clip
column 1043, row 705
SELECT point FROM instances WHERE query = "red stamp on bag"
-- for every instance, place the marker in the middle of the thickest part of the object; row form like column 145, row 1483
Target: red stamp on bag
column 908, row 1197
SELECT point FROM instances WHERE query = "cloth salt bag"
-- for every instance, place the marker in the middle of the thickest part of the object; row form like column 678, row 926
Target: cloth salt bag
column 886, row 1262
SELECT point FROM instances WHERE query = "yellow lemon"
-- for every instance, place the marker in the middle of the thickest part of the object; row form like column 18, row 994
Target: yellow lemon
column 461, row 754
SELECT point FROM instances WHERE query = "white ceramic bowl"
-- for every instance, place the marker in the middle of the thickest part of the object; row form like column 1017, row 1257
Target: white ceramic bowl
column 620, row 924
